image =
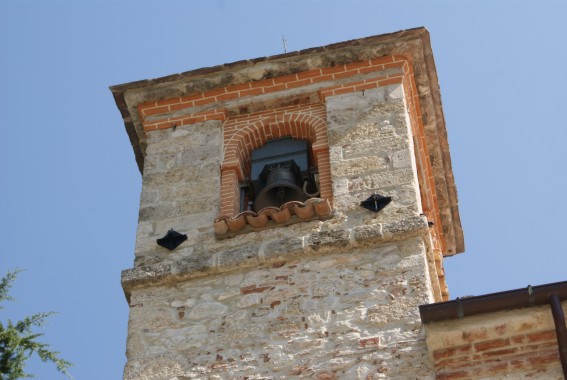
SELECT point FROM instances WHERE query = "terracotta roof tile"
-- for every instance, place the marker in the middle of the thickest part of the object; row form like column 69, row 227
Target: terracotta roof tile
column 290, row 212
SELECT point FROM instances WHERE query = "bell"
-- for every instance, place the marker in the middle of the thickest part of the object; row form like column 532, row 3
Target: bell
column 281, row 187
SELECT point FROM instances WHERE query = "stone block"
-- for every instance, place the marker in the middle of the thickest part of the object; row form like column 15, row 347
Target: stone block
column 194, row 265
column 237, row 257
column 168, row 365
column 131, row 277
column 198, row 172
column 288, row 247
column 335, row 154
column 402, row 159
column 377, row 180
column 386, row 142
column 405, row 228
column 148, row 196
column 335, row 240
column 359, row 166
column 368, row 234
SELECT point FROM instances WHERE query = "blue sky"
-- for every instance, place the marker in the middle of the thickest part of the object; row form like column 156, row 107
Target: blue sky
column 70, row 186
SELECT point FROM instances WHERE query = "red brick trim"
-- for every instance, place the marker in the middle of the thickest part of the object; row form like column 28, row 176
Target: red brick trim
column 245, row 133
column 361, row 85
column 428, row 193
column 266, row 86
column 197, row 117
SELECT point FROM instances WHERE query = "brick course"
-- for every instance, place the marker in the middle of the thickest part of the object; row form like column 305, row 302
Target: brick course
column 519, row 343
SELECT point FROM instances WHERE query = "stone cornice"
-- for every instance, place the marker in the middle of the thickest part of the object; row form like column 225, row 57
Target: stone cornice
column 250, row 255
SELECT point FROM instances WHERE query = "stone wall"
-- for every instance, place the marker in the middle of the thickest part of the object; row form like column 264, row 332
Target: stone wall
column 347, row 315
column 180, row 190
column 327, row 299
column 371, row 151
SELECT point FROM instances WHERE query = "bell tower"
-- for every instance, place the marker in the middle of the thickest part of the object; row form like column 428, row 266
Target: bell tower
column 303, row 205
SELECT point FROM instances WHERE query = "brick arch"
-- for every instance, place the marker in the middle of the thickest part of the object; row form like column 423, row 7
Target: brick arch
column 239, row 144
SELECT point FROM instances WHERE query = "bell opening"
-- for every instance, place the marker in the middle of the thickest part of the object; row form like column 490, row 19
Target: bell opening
column 280, row 172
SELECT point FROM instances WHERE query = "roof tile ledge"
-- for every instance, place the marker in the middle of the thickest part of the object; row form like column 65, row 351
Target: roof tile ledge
column 288, row 213
column 318, row 243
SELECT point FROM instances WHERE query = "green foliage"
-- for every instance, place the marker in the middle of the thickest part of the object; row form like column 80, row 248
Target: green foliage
column 18, row 341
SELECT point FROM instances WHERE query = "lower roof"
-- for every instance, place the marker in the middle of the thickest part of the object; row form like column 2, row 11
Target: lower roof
column 490, row 303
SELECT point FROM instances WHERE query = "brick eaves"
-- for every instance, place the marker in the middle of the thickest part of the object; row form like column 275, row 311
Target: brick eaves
column 491, row 303
column 508, row 334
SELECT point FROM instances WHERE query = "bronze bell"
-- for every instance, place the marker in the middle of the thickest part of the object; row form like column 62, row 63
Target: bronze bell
column 281, row 186
column 278, row 172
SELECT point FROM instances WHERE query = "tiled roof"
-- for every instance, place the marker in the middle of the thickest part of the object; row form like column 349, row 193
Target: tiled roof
column 288, row 213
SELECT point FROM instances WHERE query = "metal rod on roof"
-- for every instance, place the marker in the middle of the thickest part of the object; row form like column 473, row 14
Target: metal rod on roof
column 284, row 41
column 560, row 330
